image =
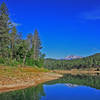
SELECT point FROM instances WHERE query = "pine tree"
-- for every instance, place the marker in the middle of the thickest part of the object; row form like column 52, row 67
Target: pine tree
column 37, row 45
column 4, row 30
column 13, row 38
column 29, row 40
column 30, row 45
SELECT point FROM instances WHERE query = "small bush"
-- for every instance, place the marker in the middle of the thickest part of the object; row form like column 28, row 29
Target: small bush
column 2, row 61
column 30, row 62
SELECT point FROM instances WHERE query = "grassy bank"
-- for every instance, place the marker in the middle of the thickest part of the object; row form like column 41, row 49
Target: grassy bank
column 12, row 78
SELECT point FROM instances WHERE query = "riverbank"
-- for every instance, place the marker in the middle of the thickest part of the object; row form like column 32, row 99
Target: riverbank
column 78, row 71
column 23, row 77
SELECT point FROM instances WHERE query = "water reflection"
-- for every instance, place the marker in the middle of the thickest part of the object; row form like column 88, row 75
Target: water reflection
column 64, row 84
column 33, row 93
column 86, row 80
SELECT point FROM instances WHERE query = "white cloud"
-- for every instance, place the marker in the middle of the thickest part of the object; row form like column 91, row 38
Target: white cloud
column 16, row 24
column 92, row 15
column 94, row 50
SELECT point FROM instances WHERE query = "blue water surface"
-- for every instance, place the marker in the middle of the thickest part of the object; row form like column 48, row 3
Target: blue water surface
column 63, row 92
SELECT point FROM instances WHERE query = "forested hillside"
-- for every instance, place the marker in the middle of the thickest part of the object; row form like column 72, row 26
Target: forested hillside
column 86, row 62
column 14, row 49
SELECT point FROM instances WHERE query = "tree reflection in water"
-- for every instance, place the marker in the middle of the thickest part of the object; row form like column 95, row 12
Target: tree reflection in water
column 35, row 93
column 86, row 80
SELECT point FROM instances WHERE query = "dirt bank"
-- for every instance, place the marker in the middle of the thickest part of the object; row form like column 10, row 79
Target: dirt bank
column 75, row 71
column 20, row 78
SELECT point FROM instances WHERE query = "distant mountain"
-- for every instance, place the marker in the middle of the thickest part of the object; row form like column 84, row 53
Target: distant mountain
column 72, row 57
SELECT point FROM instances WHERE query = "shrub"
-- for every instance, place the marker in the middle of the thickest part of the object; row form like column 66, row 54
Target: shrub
column 2, row 61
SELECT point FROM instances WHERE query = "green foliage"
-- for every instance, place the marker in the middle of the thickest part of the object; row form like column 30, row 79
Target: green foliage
column 2, row 61
column 15, row 50
column 30, row 62
column 10, row 62
column 86, row 62
column 38, row 63
column 4, row 30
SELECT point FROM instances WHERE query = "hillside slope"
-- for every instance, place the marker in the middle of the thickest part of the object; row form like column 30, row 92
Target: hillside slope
column 86, row 62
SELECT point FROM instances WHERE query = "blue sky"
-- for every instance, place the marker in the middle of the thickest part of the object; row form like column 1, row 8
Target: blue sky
column 65, row 27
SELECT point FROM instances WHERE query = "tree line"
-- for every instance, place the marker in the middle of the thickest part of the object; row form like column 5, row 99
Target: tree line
column 14, row 49
column 83, row 63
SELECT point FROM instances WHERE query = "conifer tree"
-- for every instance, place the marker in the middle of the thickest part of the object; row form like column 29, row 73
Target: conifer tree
column 29, row 40
column 13, row 39
column 4, row 30
column 37, row 45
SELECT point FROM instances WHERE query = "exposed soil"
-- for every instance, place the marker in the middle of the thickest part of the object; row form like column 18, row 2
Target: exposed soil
column 19, row 78
column 75, row 71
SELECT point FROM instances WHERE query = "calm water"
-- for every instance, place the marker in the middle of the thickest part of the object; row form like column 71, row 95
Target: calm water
column 70, row 87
